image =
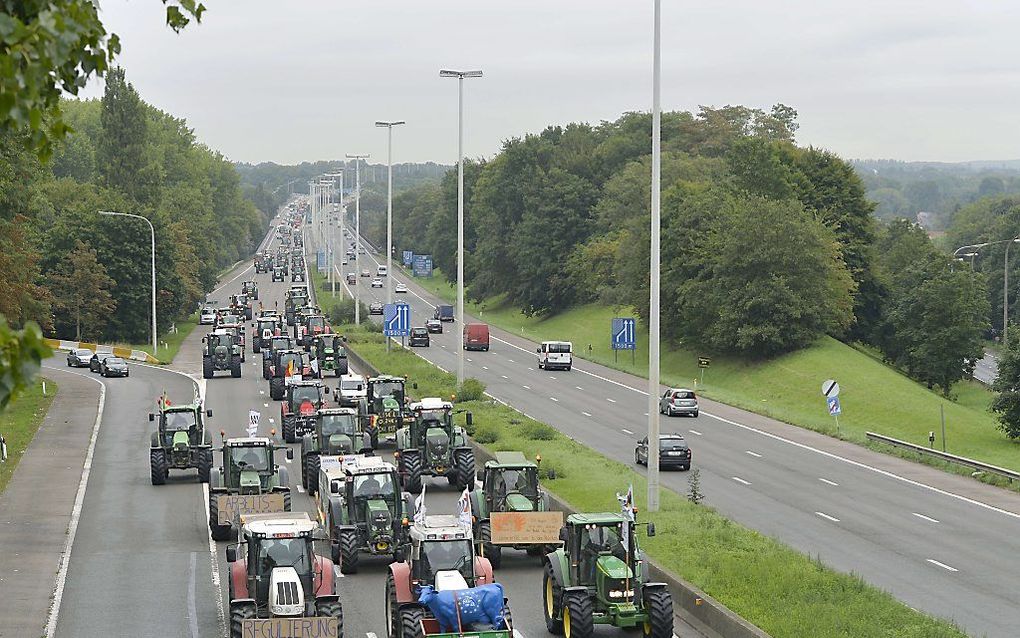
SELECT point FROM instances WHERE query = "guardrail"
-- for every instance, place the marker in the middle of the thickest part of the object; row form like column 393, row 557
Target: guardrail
column 1010, row 475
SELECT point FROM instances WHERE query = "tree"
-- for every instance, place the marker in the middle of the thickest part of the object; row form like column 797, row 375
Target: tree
column 123, row 153
column 22, row 299
column 81, row 290
column 53, row 47
column 21, row 354
column 1007, row 385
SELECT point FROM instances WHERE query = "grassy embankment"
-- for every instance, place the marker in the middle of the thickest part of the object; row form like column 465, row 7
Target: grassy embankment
column 19, row 423
column 875, row 397
column 169, row 343
column 787, row 594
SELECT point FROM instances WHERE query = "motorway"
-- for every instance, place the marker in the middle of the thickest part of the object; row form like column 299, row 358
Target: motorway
column 987, row 368
column 941, row 543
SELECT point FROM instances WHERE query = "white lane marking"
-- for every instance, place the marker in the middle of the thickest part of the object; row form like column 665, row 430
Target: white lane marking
column 754, row 454
column 79, row 501
column 300, row 489
column 215, row 569
column 286, row 460
column 531, row 369
column 526, row 387
column 216, row 290
column 552, row 377
column 626, row 431
column 610, row 400
column 272, row 420
column 579, row 388
column 370, row 634
column 927, row 518
column 740, row 480
column 586, row 414
column 485, row 367
column 510, row 360
column 442, row 345
column 646, row 414
column 262, row 391
column 265, row 405
column 828, row 482
column 827, row 517
column 504, row 376
column 554, row 399
column 192, row 614
column 942, row 565
column 469, row 360
column 694, row 432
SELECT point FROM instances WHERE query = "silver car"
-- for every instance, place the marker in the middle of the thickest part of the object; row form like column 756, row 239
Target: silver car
column 78, row 357
column 678, row 402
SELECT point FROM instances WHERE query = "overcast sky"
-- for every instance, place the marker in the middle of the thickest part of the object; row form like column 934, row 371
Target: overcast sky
column 296, row 80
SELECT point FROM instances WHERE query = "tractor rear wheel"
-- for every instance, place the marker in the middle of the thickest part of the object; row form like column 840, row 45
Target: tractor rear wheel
column 265, row 369
column 207, row 367
column 552, row 598
column 216, row 531
column 412, row 472
column 392, row 608
column 332, row 609
column 410, row 622
column 290, row 429
column 464, row 460
column 493, row 552
column 578, row 621
column 205, row 461
column 659, row 607
column 348, row 545
column 286, row 501
column 311, row 478
column 235, row 367
column 240, row 612
column 276, row 388
column 157, row 466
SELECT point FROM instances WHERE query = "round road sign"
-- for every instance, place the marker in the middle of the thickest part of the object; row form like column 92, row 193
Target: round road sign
column 830, row 388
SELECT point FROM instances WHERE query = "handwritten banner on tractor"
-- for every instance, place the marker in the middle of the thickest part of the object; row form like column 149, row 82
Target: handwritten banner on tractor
column 512, row 528
column 318, row 627
column 231, row 506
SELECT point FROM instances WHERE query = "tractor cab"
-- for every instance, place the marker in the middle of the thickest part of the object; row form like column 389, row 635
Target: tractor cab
column 386, row 395
column 510, row 484
column 442, row 555
column 251, row 289
column 301, row 404
column 337, row 432
column 329, row 350
column 248, row 465
column 181, row 425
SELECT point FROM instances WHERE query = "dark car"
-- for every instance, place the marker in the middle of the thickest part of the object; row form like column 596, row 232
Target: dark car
column 96, row 362
column 376, row 308
column 434, row 325
column 78, row 357
column 443, row 313
column 114, row 367
column 673, row 452
column 419, row 337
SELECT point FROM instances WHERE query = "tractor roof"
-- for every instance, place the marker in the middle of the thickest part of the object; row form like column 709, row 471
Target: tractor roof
column 440, row 527
column 431, row 403
column 338, row 411
column 388, row 377
column 601, row 518
column 278, row 525
column 361, row 464
column 248, row 441
column 510, row 459
column 306, row 383
column 182, row 408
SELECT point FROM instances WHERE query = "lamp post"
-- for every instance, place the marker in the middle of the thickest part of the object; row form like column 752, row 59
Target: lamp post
column 653, row 311
column 152, row 233
column 460, row 75
column 389, row 206
column 973, row 250
column 357, row 234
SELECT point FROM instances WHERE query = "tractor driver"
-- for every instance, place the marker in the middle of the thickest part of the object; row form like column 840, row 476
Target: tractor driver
column 282, row 553
column 370, row 486
column 595, row 541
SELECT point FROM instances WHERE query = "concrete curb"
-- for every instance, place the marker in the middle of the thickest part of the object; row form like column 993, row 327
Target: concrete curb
column 124, row 353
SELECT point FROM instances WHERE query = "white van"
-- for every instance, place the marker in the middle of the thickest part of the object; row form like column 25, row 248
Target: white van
column 380, row 271
column 555, row 355
column 351, row 390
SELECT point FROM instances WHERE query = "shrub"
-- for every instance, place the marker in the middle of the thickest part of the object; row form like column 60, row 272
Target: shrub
column 486, row 434
column 537, row 431
column 471, row 390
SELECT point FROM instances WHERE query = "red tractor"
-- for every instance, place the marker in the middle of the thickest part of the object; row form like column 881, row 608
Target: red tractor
column 301, row 402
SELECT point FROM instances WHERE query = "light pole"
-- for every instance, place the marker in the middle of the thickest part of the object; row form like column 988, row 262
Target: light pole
column 152, row 232
column 460, row 75
column 357, row 235
column 974, row 248
column 389, row 206
column 653, row 302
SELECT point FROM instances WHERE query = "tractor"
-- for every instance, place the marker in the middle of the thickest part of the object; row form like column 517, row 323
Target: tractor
column 286, row 365
column 276, row 574
column 180, row 441
column 600, row 576
column 309, row 326
column 251, row 289
column 279, row 273
column 329, row 350
column 385, row 401
column 335, row 433
column 433, row 446
column 237, row 330
column 249, row 470
column 291, row 305
column 439, row 552
column 241, row 305
column 301, row 401
column 270, row 347
column 509, row 484
column 221, row 353
column 262, row 330
column 363, row 509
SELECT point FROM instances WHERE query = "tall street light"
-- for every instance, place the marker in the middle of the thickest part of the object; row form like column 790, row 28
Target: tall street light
column 460, row 75
column 653, row 305
column 973, row 248
column 357, row 235
column 331, row 221
column 389, row 205
column 152, row 233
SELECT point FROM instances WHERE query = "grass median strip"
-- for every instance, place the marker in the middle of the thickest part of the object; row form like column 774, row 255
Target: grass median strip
column 785, row 593
column 19, row 423
column 169, row 343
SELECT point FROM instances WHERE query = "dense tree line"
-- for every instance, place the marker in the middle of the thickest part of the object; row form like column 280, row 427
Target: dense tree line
column 77, row 272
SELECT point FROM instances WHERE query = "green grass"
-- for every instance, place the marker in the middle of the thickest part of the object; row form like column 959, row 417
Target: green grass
column 19, row 423
column 874, row 396
column 785, row 593
column 169, row 343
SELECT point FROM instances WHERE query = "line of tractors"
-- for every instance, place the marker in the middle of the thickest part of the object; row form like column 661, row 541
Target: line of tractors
column 365, row 506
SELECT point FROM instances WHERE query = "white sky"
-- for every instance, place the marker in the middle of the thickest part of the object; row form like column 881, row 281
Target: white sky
column 298, row 80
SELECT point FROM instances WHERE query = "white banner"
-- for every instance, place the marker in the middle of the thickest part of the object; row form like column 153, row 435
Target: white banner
column 464, row 509
column 419, row 507
column 253, row 422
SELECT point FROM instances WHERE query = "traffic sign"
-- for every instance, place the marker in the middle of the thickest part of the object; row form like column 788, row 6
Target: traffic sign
column 623, row 334
column 830, row 388
column 397, row 319
column 834, row 407
column 422, row 266
column 408, row 257
column 704, row 362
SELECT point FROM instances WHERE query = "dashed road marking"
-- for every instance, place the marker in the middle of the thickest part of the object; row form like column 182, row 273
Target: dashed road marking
column 694, row 432
column 828, row 482
column 740, row 480
column 300, row 489
column 485, row 367
column 610, row 400
column 586, row 414
column 754, row 454
column 579, row 388
column 526, row 387
column 942, row 565
column 827, row 517
column 554, row 399
column 927, row 518
column 552, row 377
column 504, row 376
column 626, row 431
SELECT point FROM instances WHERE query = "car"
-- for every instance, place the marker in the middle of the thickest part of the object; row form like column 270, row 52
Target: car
column 555, row 355
column 365, row 273
column 351, row 390
column 376, row 308
column 78, row 357
column 207, row 317
column 352, row 279
column 96, row 362
column 380, row 270
column 114, row 367
column 400, row 288
column 678, row 402
column 434, row 325
column 419, row 337
column 377, row 283
column 673, row 452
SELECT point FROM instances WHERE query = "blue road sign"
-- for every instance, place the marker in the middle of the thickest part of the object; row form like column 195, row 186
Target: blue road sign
column 834, row 407
column 422, row 266
column 396, row 319
column 623, row 334
column 408, row 257
column 320, row 260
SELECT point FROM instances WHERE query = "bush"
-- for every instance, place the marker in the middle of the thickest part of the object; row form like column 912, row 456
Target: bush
column 486, row 434
column 342, row 312
column 536, row 431
column 471, row 390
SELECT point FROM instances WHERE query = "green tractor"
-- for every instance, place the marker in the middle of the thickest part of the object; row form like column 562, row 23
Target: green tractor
column 509, row 484
column 433, row 446
column 329, row 350
column 600, row 576
column 180, row 442
column 291, row 305
column 363, row 509
column 385, row 402
column 335, row 433
column 249, row 482
column 222, row 352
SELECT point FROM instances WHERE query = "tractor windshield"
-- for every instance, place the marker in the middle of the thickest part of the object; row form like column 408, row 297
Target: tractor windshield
column 510, row 480
column 284, row 552
column 447, row 555
column 338, row 424
column 180, row 421
column 229, row 319
column 316, row 322
column 388, row 388
column 302, row 393
column 250, row 458
column 370, row 486
column 288, row 360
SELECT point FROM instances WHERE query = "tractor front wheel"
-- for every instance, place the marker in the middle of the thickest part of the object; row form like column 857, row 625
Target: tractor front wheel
column 578, row 621
column 348, row 546
column 412, row 472
column 207, row 368
column 464, row 460
column 235, row 367
column 332, row 609
column 290, row 429
column 240, row 612
column 551, row 599
column 216, row 531
column 493, row 552
column 157, row 466
column 659, row 607
column 410, row 622
column 392, row 609
column 276, row 388
column 205, row 461
column 312, row 463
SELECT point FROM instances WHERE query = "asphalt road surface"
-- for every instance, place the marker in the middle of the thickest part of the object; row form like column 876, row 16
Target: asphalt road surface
column 987, row 368
column 941, row 543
